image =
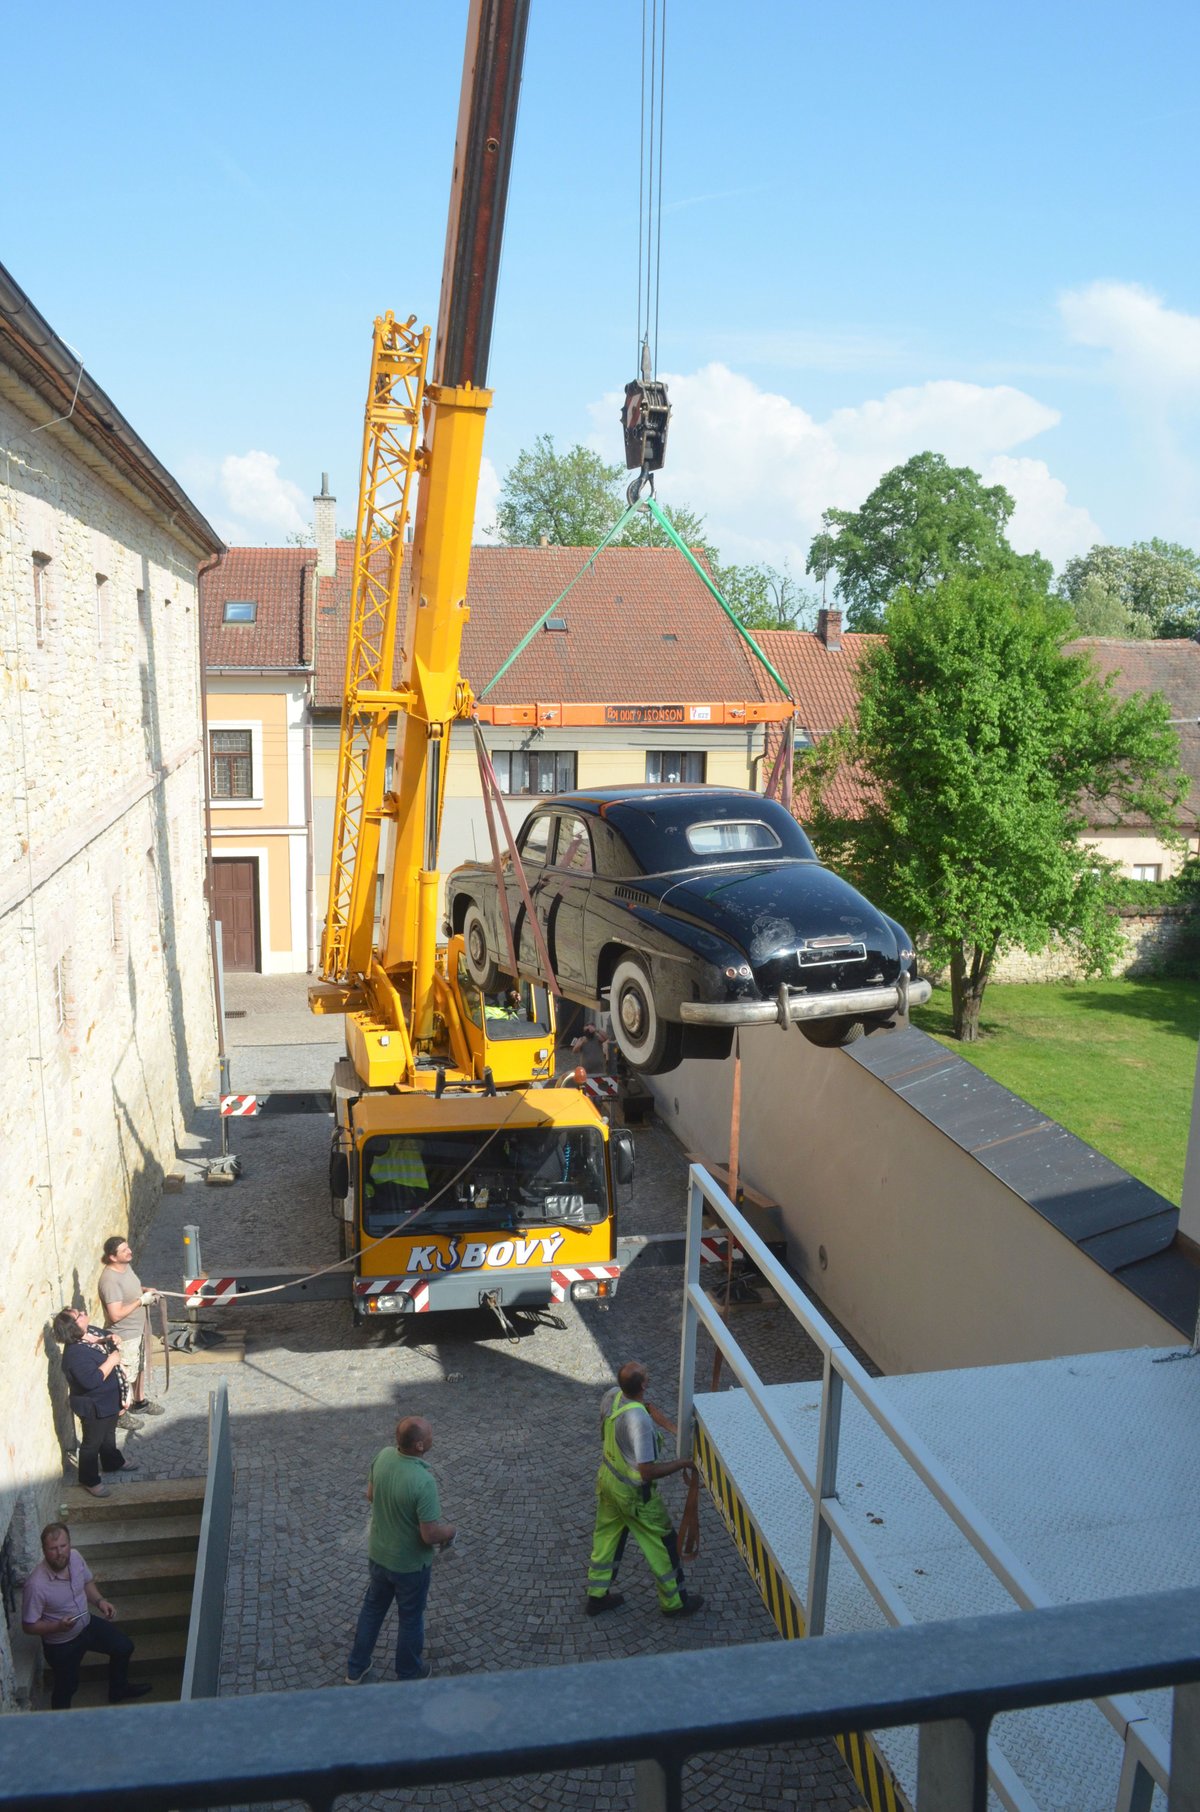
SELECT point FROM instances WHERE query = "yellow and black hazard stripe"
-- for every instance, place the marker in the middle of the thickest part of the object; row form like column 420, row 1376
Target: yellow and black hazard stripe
column 877, row 1783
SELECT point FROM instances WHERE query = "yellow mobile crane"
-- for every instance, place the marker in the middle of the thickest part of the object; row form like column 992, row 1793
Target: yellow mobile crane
column 461, row 1175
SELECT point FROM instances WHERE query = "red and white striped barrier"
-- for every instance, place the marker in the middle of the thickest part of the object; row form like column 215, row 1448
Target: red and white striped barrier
column 714, row 1248
column 561, row 1281
column 211, row 1292
column 600, row 1089
column 234, row 1106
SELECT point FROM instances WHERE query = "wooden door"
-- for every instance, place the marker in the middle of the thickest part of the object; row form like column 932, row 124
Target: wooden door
column 235, row 904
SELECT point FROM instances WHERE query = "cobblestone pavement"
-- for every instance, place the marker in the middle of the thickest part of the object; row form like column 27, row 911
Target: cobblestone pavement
column 515, row 1454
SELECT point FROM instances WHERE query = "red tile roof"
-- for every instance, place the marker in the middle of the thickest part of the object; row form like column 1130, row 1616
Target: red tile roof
column 640, row 626
column 279, row 580
column 824, row 683
column 1172, row 668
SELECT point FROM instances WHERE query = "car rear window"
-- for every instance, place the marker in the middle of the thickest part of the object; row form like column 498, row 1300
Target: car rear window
column 715, row 838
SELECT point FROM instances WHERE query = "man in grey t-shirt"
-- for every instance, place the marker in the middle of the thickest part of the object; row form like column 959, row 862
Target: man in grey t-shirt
column 125, row 1303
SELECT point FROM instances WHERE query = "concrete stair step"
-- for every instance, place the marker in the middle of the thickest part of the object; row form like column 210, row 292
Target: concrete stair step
column 93, row 1693
column 158, row 1657
column 133, row 1496
column 103, row 1538
column 160, row 1651
column 147, row 1611
column 129, row 1576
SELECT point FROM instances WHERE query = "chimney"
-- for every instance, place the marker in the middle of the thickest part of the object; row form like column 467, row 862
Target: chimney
column 543, row 539
column 325, row 518
column 829, row 628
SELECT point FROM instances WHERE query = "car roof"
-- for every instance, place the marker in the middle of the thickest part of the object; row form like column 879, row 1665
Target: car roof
column 648, row 793
column 643, row 814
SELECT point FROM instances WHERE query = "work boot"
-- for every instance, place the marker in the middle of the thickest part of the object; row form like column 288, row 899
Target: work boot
column 128, row 1422
column 609, row 1602
column 691, row 1604
column 146, row 1408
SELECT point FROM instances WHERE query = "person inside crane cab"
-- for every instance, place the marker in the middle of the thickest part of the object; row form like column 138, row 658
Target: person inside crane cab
column 504, row 1005
column 396, row 1182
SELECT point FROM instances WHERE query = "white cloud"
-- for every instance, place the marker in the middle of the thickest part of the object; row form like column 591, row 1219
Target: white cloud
column 761, row 469
column 486, row 501
column 1043, row 521
column 1147, row 341
column 264, row 504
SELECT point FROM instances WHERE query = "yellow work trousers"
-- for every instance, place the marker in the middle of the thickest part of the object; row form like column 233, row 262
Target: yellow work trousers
column 624, row 1510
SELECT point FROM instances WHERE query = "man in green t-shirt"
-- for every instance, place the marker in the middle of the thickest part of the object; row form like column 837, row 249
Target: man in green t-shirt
column 406, row 1527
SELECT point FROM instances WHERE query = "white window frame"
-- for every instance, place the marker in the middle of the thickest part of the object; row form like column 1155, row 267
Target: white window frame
column 664, row 755
column 41, row 597
column 102, row 595
column 255, row 801
column 60, row 998
column 1147, row 871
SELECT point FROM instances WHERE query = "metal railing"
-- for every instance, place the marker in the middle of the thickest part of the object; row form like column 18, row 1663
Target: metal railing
column 654, row 1712
column 202, row 1657
column 1145, row 1762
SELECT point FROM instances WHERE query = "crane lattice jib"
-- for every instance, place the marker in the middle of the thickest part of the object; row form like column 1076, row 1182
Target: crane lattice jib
column 391, row 460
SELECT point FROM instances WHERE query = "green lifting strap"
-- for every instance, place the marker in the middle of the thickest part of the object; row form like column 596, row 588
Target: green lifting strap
column 672, row 535
column 651, row 504
column 521, row 646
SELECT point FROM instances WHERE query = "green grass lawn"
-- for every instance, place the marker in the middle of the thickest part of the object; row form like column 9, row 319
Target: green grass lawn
column 1113, row 1062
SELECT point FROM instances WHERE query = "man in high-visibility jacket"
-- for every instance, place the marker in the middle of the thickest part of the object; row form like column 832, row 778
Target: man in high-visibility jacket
column 396, row 1181
column 628, row 1503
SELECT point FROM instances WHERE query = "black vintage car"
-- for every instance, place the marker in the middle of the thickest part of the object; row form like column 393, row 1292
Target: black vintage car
column 688, row 911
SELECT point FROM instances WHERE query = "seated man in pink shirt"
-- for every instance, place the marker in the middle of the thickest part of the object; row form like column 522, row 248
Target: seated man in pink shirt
column 63, row 1605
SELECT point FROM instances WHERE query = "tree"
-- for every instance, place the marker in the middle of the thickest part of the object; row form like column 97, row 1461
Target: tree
column 924, row 521
column 572, row 498
column 1099, row 611
column 978, row 745
column 766, row 597
column 642, row 531
column 1157, row 582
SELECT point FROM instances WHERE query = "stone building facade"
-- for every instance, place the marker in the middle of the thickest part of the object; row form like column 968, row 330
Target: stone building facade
column 104, row 945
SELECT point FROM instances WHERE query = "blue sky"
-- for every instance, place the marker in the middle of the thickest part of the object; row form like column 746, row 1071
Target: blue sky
column 884, row 229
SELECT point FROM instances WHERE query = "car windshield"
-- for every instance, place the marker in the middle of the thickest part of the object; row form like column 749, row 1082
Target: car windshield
column 686, row 827
column 523, row 1177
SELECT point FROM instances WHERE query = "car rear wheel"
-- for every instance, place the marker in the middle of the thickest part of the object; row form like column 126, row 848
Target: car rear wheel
column 830, row 1034
column 480, row 967
column 648, row 1042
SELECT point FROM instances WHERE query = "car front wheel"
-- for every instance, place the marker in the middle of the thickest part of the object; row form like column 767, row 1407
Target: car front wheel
column 648, row 1042
column 480, row 967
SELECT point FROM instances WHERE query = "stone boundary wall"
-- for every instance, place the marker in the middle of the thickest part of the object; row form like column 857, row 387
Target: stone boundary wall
column 1150, row 940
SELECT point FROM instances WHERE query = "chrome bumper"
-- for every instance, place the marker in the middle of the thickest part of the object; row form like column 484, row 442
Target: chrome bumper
column 791, row 1006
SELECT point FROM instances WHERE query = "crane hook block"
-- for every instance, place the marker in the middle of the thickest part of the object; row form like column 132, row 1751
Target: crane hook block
column 644, row 421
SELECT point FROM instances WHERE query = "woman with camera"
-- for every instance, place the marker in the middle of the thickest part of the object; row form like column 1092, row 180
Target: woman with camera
column 90, row 1362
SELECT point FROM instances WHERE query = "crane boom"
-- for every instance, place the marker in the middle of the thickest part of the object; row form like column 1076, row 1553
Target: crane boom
column 431, row 430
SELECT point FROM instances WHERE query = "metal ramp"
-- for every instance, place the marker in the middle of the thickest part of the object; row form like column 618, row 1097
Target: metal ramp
column 956, row 1494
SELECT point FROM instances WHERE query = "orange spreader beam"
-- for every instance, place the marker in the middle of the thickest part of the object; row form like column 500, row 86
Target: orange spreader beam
column 685, row 714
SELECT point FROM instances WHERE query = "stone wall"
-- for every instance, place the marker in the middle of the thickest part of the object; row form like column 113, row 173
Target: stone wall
column 1150, row 939
column 104, row 964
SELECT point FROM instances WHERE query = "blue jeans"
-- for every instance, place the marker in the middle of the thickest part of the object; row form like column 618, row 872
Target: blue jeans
column 410, row 1590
